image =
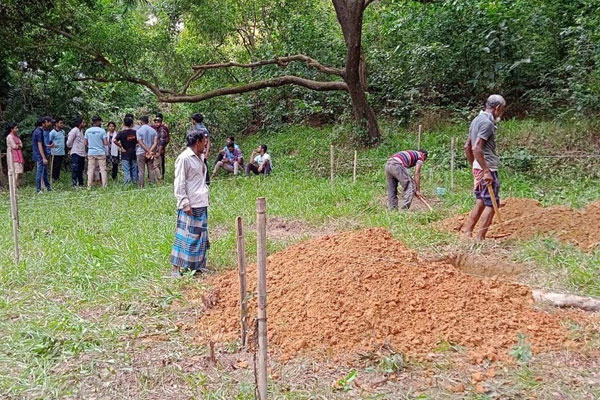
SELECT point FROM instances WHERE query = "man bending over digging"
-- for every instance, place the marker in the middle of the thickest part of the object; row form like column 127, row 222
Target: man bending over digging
column 191, row 191
column 480, row 150
column 396, row 172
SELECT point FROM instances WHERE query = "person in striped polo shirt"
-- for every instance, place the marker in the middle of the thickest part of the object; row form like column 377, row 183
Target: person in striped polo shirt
column 396, row 172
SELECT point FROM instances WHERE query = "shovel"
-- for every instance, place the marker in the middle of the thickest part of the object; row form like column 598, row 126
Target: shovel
column 494, row 203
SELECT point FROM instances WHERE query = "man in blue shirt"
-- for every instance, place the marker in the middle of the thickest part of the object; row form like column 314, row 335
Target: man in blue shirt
column 147, row 139
column 40, row 152
column 57, row 144
column 96, row 139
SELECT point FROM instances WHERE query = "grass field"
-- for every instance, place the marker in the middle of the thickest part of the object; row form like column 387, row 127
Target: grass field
column 78, row 313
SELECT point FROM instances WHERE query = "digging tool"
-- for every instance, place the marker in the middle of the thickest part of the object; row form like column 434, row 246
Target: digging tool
column 494, row 203
column 425, row 202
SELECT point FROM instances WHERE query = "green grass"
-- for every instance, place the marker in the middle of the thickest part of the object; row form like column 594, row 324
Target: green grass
column 94, row 264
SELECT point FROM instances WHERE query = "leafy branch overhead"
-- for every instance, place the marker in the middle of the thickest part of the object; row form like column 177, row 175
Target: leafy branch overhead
column 109, row 59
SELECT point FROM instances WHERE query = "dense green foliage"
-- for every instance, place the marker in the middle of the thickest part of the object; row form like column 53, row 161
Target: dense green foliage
column 434, row 57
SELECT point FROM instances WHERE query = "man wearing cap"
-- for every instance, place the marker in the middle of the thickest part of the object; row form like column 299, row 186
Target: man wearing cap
column 480, row 150
column 41, row 153
column 96, row 139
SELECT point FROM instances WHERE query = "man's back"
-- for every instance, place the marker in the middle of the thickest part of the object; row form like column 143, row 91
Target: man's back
column 95, row 137
column 146, row 134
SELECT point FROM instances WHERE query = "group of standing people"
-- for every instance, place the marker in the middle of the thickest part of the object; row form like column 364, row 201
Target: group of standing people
column 139, row 149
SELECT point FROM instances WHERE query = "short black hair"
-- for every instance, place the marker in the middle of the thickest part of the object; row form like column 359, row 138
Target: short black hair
column 130, row 115
column 112, row 123
column 231, row 138
column 424, row 152
column 194, row 137
column 198, row 117
column 128, row 122
column 46, row 119
column 58, row 119
column 144, row 119
column 158, row 116
column 96, row 118
column 264, row 147
column 77, row 121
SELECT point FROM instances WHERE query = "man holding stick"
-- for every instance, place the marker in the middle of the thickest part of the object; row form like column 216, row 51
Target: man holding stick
column 396, row 172
column 191, row 191
column 480, row 150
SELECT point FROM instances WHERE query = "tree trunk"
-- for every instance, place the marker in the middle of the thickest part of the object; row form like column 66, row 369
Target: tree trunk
column 350, row 14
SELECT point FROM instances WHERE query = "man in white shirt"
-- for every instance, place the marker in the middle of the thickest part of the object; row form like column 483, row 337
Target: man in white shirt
column 260, row 161
column 191, row 191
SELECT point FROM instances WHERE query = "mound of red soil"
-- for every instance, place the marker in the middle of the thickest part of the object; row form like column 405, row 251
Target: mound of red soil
column 526, row 218
column 356, row 291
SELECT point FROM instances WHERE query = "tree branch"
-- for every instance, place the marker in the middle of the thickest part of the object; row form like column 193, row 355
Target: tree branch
column 367, row 2
column 196, row 75
column 280, row 61
column 253, row 86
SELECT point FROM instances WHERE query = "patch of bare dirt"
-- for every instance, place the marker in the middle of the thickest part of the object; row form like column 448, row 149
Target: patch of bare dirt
column 354, row 291
column 526, row 218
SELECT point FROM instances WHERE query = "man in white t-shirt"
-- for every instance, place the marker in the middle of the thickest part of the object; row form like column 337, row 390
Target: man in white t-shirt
column 260, row 161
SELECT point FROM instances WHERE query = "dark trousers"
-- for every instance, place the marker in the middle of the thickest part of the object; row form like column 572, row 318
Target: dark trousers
column 115, row 165
column 250, row 167
column 56, row 167
column 162, row 165
column 77, row 166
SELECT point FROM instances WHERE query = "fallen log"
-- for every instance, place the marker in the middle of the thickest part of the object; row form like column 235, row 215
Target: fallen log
column 566, row 300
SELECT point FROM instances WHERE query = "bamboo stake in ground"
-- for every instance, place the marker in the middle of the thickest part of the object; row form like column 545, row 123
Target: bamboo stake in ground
column 331, row 165
column 452, row 143
column 241, row 260
column 420, row 133
column 261, row 263
column 14, row 208
column 2, row 182
column 494, row 203
column 354, row 168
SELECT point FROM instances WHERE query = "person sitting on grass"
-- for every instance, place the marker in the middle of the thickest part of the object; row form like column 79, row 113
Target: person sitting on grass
column 230, row 139
column 232, row 160
column 396, row 172
column 191, row 191
column 261, row 162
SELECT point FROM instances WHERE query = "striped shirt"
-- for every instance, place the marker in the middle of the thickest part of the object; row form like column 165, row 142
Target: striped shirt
column 408, row 158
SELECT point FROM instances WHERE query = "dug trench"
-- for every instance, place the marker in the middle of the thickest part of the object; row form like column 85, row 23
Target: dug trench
column 339, row 295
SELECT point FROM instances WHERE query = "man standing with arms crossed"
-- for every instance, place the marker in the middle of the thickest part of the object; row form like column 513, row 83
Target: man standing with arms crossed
column 480, row 150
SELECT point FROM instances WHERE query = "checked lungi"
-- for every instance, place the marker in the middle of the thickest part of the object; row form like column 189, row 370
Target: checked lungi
column 191, row 240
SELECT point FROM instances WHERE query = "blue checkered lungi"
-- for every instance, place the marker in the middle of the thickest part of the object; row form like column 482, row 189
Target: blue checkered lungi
column 191, row 240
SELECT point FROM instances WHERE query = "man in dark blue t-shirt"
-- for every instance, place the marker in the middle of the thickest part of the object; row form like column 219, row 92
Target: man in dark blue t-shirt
column 40, row 152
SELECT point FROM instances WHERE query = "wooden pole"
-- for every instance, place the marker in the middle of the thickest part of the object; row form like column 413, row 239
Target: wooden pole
column 14, row 211
column 51, row 168
column 331, row 160
column 241, row 260
column 2, row 181
column 420, row 133
column 494, row 203
column 261, row 262
column 452, row 144
column 354, row 168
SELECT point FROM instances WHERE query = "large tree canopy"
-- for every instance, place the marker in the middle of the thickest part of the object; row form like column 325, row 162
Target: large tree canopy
column 438, row 55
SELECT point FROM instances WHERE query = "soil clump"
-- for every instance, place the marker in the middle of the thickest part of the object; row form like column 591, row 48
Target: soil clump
column 356, row 291
column 526, row 218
